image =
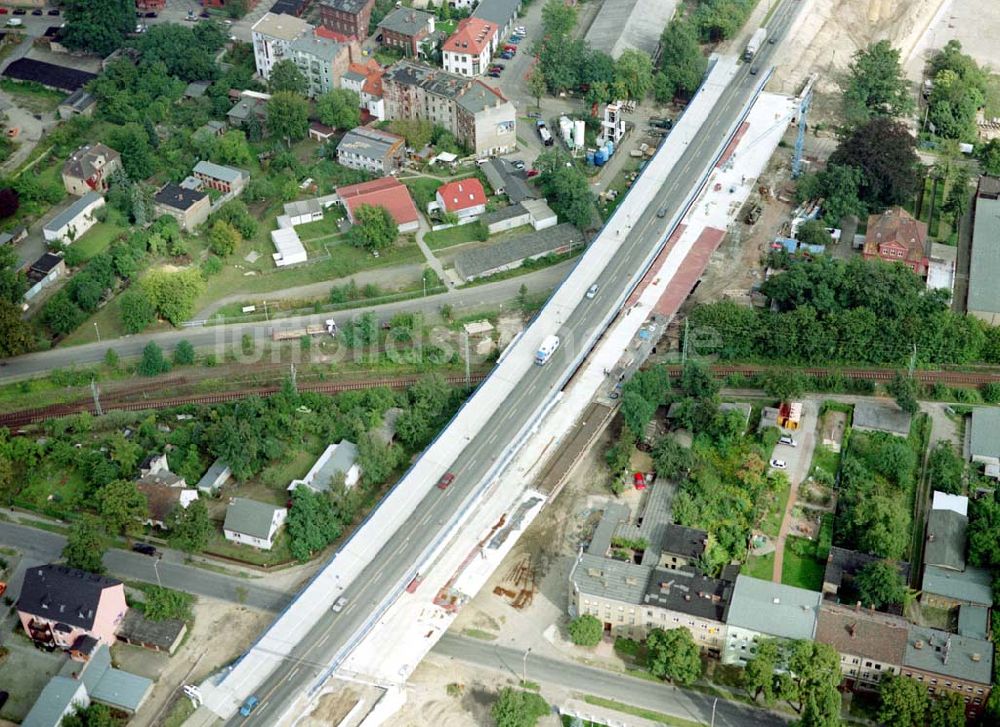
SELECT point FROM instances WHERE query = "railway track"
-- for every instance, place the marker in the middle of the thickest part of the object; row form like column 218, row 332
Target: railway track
column 117, row 403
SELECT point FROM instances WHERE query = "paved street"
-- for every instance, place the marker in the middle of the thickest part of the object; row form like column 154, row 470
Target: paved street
column 681, row 703
column 220, row 339
column 41, row 546
column 366, row 594
column 798, row 460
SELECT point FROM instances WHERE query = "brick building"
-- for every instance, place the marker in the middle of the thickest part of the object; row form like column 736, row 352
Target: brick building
column 349, row 17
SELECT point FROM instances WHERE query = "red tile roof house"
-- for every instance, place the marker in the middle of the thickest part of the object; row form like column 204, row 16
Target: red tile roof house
column 386, row 192
column 468, row 50
column 59, row 606
column 895, row 236
column 464, row 199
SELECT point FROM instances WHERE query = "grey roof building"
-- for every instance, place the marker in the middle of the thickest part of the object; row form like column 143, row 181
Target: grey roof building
column 984, row 437
column 371, row 149
column 608, row 578
column 230, row 175
column 841, row 567
column 73, row 594
column 951, row 655
column 71, row 213
column 889, row 418
column 510, row 254
column 165, row 635
column 974, row 622
column 250, row 517
column 946, row 539
column 214, row 477
column 405, row 21
column 59, row 697
column 629, row 24
column 687, row 590
column 983, row 299
column 683, row 541
column 501, row 13
column 505, row 180
column 337, row 459
column 774, row 609
column 972, row 586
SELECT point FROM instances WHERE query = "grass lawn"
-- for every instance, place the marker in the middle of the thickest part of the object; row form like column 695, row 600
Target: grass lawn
column 32, row 97
column 772, row 521
column 759, row 566
column 800, row 567
column 423, row 190
column 456, row 235
column 97, row 239
column 109, row 325
column 279, row 553
column 992, row 107
column 54, row 491
column 649, row 714
column 320, row 228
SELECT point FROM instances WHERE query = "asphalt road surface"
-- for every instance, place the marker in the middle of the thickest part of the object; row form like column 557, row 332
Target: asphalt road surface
column 41, row 546
column 681, row 703
column 321, row 644
column 222, row 339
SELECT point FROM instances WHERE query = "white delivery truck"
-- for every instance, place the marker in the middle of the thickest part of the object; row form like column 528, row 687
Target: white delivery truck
column 756, row 41
column 545, row 351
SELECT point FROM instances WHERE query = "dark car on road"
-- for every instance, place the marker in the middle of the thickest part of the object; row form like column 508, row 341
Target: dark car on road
column 446, row 480
column 144, row 548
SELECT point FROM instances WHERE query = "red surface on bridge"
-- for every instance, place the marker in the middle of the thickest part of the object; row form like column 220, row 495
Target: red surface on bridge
column 654, row 269
column 690, row 270
column 732, row 145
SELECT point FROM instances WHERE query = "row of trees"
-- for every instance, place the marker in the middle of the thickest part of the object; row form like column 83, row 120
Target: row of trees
column 565, row 187
column 829, row 311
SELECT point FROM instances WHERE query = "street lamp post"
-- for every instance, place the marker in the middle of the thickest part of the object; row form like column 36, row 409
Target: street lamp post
column 96, row 328
column 714, row 702
column 524, row 667
column 156, row 569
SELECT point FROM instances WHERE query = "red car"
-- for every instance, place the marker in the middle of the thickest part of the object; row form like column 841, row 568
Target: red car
column 446, row 480
column 640, row 481
column 532, row 173
column 3, row 11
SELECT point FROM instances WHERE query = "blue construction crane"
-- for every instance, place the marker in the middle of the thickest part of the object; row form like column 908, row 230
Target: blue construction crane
column 800, row 139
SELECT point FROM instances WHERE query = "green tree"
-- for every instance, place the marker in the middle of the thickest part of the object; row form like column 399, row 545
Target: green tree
column 15, row 333
column 565, row 187
column 682, row 65
column 417, row 132
column 374, row 228
column 813, row 232
column 339, row 108
column 558, row 18
column 86, row 545
column 223, row 238
column 673, row 655
column 153, row 361
column 946, row 710
column 60, row 314
column 634, row 73
column 137, row 310
column 377, row 460
column 904, row 390
column 184, row 353
column 98, row 26
column 132, row 142
column 879, row 584
column 904, row 702
column 876, row 84
column 93, row 715
column 288, row 116
column 945, row 468
column 286, row 77
column 885, row 153
column 122, row 507
column 111, row 359
column 815, row 670
column 586, row 630
column 958, row 199
column 173, row 295
column 785, row 384
column 516, row 708
column 984, row 524
column 163, row 603
column 989, row 157
column 671, row 459
column 759, row 674
column 232, row 148
column 537, row 85
column 189, row 527
column 312, row 523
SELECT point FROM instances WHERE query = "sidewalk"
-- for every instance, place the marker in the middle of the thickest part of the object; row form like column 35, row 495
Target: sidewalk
column 432, row 261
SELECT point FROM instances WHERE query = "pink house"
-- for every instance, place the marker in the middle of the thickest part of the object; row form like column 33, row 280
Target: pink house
column 61, row 606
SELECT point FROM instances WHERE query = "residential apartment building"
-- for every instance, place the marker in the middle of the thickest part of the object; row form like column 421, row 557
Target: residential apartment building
column 69, row 225
column 762, row 609
column 372, row 150
column 89, row 169
column 468, row 50
column 950, row 663
column 322, row 61
column 366, row 81
column 228, row 180
column 347, row 17
column 895, row 236
column 870, row 644
column 272, row 37
column 405, row 29
column 983, row 299
column 253, row 523
column 63, row 607
column 479, row 116
column 189, row 207
column 502, row 13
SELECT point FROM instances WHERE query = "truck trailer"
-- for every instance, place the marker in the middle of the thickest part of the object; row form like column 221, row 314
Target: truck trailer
column 755, row 44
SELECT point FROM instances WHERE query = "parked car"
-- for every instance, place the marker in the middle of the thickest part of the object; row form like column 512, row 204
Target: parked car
column 37, row 11
column 339, row 605
column 151, row 14
column 20, row 11
column 494, row 74
column 779, row 464
column 250, row 705
column 518, row 164
column 144, row 548
column 788, row 439
column 446, row 479
column 532, row 173
column 3, row 11
column 204, row 14
column 54, row 11
column 506, row 55
column 639, row 480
